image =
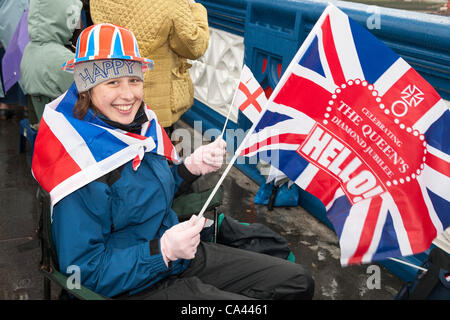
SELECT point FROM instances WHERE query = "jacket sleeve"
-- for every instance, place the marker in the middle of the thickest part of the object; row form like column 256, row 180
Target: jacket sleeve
column 81, row 240
column 183, row 178
column 190, row 33
column 61, row 80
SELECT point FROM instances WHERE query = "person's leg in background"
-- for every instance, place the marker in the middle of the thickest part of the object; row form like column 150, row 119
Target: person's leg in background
column 13, row 100
column 4, row 111
column 4, row 108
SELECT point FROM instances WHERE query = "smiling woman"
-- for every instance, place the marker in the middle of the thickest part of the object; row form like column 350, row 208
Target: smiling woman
column 118, row 99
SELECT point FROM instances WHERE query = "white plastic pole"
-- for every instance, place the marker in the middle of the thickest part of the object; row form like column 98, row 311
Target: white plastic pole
column 231, row 107
column 409, row 264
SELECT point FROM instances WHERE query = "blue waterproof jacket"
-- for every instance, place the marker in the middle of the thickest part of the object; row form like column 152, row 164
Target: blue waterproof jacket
column 111, row 227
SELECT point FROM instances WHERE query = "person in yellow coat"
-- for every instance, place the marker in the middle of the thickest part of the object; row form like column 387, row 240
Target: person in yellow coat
column 168, row 32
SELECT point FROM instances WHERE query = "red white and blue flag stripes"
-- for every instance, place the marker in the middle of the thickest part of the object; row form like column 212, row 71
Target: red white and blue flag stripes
column 69, row 153
column 352, row 123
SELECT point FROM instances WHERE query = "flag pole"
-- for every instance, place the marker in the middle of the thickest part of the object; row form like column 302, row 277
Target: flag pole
column 231, row 107
column 228, row 116
column 408, row 264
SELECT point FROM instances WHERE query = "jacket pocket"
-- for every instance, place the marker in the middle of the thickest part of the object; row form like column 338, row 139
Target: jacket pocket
column 182, row 91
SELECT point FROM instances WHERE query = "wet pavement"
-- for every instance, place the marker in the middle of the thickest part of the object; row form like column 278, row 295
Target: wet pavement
column 313, row 244
column 19, row 248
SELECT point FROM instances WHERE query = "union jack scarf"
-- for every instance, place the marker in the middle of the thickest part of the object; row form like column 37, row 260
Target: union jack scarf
column 70, row 153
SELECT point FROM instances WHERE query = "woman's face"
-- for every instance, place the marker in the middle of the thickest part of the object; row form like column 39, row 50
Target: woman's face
column 119, row 99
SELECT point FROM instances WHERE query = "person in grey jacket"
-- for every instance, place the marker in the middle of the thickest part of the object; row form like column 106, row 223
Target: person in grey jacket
column 11, row 12
column 50, row 25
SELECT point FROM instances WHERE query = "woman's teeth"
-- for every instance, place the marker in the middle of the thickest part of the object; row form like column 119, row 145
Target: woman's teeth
column 124, row 107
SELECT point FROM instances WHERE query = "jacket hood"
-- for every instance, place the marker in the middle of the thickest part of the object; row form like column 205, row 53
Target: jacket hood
column 53, row 21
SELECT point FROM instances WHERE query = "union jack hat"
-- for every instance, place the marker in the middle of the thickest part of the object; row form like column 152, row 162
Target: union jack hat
column 106, row 41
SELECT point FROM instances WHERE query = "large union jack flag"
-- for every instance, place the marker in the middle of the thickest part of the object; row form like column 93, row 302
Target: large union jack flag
column 69, row 153
column 352, row 123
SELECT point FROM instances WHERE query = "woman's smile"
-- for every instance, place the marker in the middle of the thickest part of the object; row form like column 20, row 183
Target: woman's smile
column 123, row 108
column 119, row 99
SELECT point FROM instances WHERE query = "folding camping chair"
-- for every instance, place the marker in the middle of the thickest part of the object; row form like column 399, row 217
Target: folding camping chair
column 49, row 262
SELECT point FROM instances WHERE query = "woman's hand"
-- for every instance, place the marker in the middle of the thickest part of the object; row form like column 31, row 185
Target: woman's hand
column 207, row 158
column 181, row 241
